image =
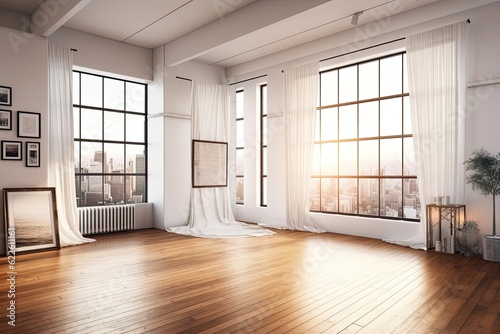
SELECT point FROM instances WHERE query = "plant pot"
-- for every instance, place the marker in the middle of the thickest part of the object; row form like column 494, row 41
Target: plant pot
column 491, row 248
column 468, row 242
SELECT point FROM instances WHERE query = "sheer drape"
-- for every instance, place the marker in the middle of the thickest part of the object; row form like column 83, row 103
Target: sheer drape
column 61, row 167
column 437, row 86
column 211, row 215
column 300, row 102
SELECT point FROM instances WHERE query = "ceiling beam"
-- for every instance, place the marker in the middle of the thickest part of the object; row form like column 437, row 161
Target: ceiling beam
column 253, row 17
column 52, row 14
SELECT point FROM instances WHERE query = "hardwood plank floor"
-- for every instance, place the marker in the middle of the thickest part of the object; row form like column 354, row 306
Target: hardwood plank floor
column 151, row 281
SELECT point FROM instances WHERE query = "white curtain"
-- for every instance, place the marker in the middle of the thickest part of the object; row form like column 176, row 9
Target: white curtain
column 300, row 102
column 61, row 165
column 211, row 215
column 437, row 85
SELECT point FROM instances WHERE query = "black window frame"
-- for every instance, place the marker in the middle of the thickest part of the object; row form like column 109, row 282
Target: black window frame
column 80, row 175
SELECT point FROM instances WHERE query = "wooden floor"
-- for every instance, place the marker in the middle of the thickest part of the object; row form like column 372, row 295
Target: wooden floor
column 151, row 281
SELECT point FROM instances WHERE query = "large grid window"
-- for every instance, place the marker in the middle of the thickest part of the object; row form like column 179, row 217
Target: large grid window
column 110, row 130
column 240, row 147
column 363, row 155
column 263, row 145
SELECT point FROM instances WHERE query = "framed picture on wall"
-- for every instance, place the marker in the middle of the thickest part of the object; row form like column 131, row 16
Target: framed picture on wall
column 5, row 96
column 12, row 150
column 28, row 124
column 5, row 119
column 30, row 217
column 209, row 164
column 32, row 154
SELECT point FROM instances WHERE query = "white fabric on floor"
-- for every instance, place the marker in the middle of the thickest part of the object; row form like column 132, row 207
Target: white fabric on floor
column 211, row 214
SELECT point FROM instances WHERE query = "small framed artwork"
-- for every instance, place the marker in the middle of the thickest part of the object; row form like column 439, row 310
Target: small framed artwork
column 28, row 124
column 209, row 164
column 32, row 154
column 12, row 150
column 5, row 96
column 30, row 216
column 5, row 119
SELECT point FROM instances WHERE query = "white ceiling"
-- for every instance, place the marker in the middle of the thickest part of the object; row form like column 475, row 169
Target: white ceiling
column 219, row 32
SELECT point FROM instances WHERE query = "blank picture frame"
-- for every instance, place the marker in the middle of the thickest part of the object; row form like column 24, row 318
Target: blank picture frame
column 28, row 124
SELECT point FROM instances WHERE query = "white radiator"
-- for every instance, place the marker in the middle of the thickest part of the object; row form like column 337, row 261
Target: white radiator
column 104, row 219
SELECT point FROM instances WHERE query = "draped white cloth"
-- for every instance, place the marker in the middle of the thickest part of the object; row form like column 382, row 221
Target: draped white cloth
column 61, row 166
column 300, row 103
column 211, row 214
column 437, row 70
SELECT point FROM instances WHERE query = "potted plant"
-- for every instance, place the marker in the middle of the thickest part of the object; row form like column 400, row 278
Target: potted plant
column 484, row 176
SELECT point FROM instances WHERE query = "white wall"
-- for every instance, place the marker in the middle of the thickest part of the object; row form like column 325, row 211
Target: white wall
column 482, row 111
column 106, row 56
column 170, row 137
column 24, row 69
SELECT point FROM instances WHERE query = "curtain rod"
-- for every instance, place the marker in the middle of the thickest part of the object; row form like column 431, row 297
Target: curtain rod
column 234, row 83
column 257, row 77
column 182, row 78
column 369, row 47
column 74, row 50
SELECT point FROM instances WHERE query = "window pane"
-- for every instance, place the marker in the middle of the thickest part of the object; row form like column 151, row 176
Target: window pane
column 390, row 198
column 240, row 160
column 93, row 194
column 348, row 78
column 114, row 94
column 391, row 117
column 117, row 187
column 264, row 131
column 329, row 88
column 316, row 166
column 76, row 122
column 405, row 75
column 78, row 190
column 407, row 127
column 329, row 124
column 348, row 122
column 76, row 151
column 411, row 199
column 264, row 100
column 390, row 156
column 329, row 154
column 76, row 88
column 410, row 166
column 264, row 191
column 114, row 128
column 369, row 197
column 314, row 199
column 135, row 187
column 329, row 195
column 264, row 161
column 368, row 157
column 114, row 158
column 348, row 158
column 136, row 158
column 91, row 90
column 368, row 119
column 91, row 157
column 391, row 76
column 240, row 191
column 348, row 199
column 135, row 128
column 240, row 107
column 136, row 97
column 240, row 139
column 368, row 80
column 91, row 124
